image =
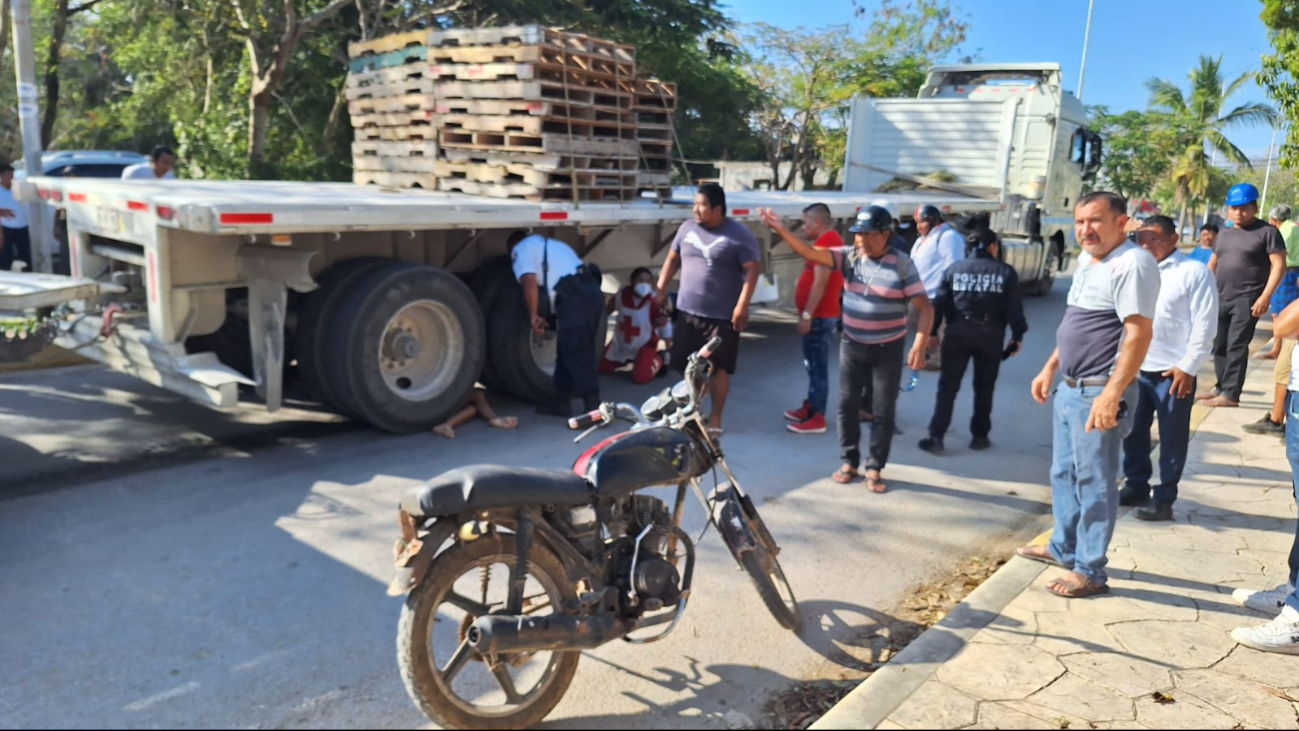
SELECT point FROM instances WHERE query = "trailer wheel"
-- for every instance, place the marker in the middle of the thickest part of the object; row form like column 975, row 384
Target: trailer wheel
column 232, row 342
column 406, row 348
column 524, row 362
column 316, row 319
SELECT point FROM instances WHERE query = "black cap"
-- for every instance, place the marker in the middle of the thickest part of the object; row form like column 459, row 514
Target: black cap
column 928, row 212
column 871, row 219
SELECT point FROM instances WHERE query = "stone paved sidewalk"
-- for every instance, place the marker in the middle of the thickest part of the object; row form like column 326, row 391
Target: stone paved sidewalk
column 1048, row 662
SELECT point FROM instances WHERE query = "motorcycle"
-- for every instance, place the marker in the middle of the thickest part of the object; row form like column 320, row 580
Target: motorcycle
column 581, row 558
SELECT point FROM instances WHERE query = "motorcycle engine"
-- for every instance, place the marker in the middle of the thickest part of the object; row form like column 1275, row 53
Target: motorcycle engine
column 653, row 582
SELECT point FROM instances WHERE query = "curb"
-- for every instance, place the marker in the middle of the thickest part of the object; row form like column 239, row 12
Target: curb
column 889, row 687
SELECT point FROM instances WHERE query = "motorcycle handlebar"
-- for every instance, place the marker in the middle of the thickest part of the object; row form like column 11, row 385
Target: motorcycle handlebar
column 584, row 420
column 712, row 346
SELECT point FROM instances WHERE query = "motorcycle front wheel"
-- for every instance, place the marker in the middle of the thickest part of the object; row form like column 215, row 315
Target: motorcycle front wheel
column 451, row 683
column 745, row 533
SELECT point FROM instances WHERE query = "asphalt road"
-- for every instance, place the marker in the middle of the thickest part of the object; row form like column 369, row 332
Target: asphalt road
column 243, row 584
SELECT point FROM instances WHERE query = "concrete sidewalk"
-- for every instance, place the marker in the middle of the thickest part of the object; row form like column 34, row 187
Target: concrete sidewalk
column 1155, row 652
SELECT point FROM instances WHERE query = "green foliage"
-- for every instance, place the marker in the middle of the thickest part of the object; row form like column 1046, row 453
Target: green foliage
column 1137, row 150
column 1280, row 74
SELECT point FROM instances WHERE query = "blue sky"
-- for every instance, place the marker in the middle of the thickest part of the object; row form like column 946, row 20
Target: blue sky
column 1131, row 41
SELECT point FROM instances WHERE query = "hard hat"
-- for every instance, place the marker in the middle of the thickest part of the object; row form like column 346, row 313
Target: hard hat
column 872, row 219
column 928, row 212
column 1242, row 194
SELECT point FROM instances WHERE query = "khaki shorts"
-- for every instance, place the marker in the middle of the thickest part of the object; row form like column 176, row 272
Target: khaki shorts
column 1282, row 371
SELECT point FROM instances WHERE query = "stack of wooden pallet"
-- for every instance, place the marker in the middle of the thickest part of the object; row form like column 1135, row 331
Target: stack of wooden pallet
column 519, row 112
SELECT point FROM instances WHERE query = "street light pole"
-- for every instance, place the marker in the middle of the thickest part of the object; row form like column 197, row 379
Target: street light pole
column 30, row 126
column 1267, row 175
column 1087, row 37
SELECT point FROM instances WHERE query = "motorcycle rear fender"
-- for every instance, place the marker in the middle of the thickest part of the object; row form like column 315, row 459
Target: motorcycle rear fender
column 416, row 551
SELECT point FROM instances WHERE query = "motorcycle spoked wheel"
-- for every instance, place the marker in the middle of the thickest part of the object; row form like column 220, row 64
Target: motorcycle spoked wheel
column 450, row 682
column 745, row 533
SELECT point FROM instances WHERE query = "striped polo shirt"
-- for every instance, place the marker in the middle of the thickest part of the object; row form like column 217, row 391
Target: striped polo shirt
column 875, row 294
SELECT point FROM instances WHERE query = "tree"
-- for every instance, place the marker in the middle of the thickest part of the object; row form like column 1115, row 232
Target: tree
column 1138, row 150
column 1199, row 123
column 64, row 12
column 1280, row 74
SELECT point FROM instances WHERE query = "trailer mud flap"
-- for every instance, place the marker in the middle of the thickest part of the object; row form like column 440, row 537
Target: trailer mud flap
column 270, row 272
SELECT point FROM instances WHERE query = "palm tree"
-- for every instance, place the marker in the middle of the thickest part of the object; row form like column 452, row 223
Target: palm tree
column 1201, row 124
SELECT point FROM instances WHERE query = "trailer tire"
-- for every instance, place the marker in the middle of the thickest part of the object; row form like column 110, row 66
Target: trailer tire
column 524, row 372
column 407, row 347
column 232, row 342
column 316, row 319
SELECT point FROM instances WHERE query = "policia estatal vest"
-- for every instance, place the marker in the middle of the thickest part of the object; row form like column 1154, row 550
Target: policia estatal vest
column 978, row 299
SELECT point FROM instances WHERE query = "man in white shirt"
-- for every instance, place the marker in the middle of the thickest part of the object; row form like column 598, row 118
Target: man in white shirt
column 161, row 166
column 938, row 248
column 16, row 244
column 572, row 304
column 1185, row 326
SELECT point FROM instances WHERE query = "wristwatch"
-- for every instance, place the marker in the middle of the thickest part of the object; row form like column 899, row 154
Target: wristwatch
column 805, row 316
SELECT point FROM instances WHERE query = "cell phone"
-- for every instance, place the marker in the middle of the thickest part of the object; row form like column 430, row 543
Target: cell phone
column 1123, row 409
column 1009, row 351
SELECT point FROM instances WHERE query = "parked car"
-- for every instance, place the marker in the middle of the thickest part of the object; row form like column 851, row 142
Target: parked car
column 83, row 163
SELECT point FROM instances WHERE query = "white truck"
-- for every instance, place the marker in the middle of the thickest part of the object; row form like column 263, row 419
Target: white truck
column 387, row 305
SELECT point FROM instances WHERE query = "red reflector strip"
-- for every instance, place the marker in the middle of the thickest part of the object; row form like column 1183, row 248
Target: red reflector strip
column 166, row 213
column 56, row 196
column 137, row 206
column 152, row 266
column 554, row 215
column 44, row 193
column 77, row 197
column 246, row 219
column 739, row 212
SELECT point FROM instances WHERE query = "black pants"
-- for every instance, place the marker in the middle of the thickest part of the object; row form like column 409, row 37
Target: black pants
column 1231, row 348
column 18, row 247
column 577, row 322
column 964, row 342
column 880, row 366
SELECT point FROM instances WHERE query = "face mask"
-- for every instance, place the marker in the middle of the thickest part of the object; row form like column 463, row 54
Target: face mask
column 643, row 289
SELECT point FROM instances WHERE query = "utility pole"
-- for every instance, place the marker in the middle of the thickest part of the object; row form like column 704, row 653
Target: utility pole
column 1267, row 175
column 1087, row 37
column 30, row 125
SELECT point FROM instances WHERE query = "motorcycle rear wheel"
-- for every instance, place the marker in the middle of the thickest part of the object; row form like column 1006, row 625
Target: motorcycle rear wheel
column 426, row 678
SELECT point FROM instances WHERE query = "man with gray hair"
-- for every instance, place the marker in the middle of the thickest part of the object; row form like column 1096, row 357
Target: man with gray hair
column 1273, row 423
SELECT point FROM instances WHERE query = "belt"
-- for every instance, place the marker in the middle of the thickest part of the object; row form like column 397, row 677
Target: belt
column 978, row 319
column 1084, row 382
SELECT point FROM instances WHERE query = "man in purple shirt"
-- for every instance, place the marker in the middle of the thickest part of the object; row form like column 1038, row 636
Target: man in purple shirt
column 720, row 262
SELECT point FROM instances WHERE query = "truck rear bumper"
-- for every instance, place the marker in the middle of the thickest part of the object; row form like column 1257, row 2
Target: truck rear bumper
column 135, row 352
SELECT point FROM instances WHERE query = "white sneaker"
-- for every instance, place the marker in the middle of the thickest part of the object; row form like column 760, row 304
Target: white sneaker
column 1268, row 601
column 1280, row 635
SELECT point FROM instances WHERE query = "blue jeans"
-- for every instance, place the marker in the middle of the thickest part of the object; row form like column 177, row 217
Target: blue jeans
column 1084, row 481
column 816, row 359
column 1156, row 399
column 1292, row 453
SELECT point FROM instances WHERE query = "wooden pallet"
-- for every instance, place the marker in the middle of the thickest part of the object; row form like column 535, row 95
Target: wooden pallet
column 654, row 164
column 652, row 94
column 534, row 91
column 386, row 44
column 520, row 108
column 654, row 132
column 392, row 105
column 533, row 193
column 378, row 164
column 401, row 148
column 645, row 179
column 530, row 35
column 373, row 83
column 534, row 70
column 541, row 161
column 418, row 133
column 392, row 119
column 454, row 123
column 427, row 181
column 392, row 59
column 578, row 60
column 403, row 87
column 543, row 142
column 517, row 173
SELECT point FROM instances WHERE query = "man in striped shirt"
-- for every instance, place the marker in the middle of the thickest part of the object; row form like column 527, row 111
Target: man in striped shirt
column 878, row 283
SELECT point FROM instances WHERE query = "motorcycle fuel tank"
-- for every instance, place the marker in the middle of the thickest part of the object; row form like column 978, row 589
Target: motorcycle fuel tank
column 627, row 462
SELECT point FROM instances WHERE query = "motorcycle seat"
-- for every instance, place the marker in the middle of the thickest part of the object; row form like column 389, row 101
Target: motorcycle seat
column 484, row 487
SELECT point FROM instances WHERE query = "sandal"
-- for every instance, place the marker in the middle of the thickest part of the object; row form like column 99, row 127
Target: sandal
column 845, row 476
column 1076, row 586
column 504, row 422
column 1221, row 402
column 1041, row 554
column 876, row 484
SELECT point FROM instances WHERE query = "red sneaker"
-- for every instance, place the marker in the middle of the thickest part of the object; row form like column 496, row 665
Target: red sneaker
column 800, row 415
column 814, row 425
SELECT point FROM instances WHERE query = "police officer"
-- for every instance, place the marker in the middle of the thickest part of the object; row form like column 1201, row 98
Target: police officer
column 978, row 298
column 564, row 294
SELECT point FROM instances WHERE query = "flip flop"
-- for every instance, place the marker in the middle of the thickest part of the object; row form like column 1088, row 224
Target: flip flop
column 1032, row 553
column 1074, row 589
column 845, row 476
column 1219, row 402
column 876, row 484
column 504, row 422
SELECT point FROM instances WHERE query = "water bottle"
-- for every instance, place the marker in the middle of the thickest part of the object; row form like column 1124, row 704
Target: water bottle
column 914, row 381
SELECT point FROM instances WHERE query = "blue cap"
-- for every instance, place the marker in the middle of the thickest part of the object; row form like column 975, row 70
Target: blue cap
column 1242, row 194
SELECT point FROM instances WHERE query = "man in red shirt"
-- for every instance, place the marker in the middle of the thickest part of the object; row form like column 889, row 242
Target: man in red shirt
column 817, row 298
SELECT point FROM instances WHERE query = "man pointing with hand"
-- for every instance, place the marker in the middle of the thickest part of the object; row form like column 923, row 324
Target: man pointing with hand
column 1101, row 344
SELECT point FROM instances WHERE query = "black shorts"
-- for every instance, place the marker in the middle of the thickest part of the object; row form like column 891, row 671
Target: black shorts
column 690, row 333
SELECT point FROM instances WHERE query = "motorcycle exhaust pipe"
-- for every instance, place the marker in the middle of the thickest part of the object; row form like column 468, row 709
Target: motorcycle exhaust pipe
column 505, row 633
